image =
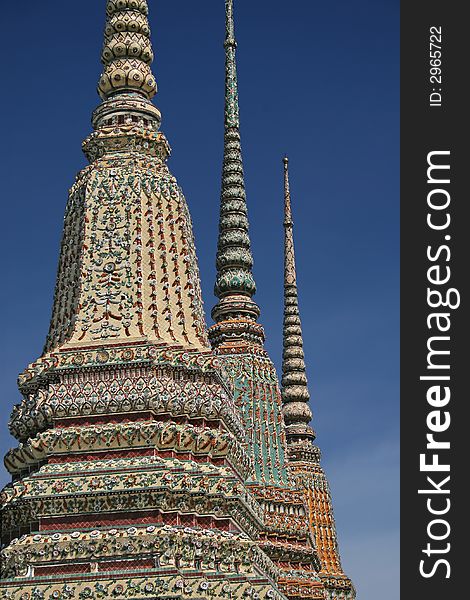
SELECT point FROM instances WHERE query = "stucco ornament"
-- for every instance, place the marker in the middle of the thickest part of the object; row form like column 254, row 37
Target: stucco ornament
column 156, row 458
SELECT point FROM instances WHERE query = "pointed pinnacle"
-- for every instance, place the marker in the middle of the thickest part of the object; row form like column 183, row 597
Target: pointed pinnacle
column 295, row 394
column 234, row 285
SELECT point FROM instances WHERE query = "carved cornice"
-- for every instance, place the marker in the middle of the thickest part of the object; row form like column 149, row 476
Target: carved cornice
column 141, row 378
column 198, row 441
column 117, row 355
column 149, row 585
column 166, row 484
column 170, row 547
column 129, row 417
column 129, row 139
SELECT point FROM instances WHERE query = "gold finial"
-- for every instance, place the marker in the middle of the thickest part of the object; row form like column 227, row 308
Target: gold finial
column 127, row 51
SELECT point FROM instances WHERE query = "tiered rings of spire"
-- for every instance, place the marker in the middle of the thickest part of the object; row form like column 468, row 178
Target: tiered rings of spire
column 128, row 270
column 304, row 456
column 127, row 52
column 295, row 394
column 236, row 313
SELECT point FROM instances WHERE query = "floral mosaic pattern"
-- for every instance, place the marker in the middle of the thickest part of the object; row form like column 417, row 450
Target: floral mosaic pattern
column 149, row 465
column 138, row 274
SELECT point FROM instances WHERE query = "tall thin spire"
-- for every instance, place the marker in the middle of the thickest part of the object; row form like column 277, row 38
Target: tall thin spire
column 304, row 455
column 236, row 313
column 128, row 269
column 295, row 394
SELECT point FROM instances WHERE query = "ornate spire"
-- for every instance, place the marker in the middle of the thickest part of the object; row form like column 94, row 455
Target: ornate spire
column 295, row 394
column 128, row 271
column 127, row 53
column 236, row 313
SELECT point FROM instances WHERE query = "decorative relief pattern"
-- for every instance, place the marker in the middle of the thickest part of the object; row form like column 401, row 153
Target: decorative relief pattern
column 295, row 395
column 127, row 52
column 186, row 585
column 124, row 391
column 188, row 439
column 67, row 290
column 311, row 478
column 149, row 466
column 169, row 547
column 257, row 399
column 217, row 480
column 139, row 278
column 166, row 485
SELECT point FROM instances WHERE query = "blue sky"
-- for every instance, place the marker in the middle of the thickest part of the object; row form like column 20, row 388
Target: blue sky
column 319, row 81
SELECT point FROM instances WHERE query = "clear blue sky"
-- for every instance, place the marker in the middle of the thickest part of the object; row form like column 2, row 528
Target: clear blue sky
column 319, row 81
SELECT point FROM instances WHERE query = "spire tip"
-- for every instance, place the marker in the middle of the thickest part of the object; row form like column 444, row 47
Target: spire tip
column 295, row 394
